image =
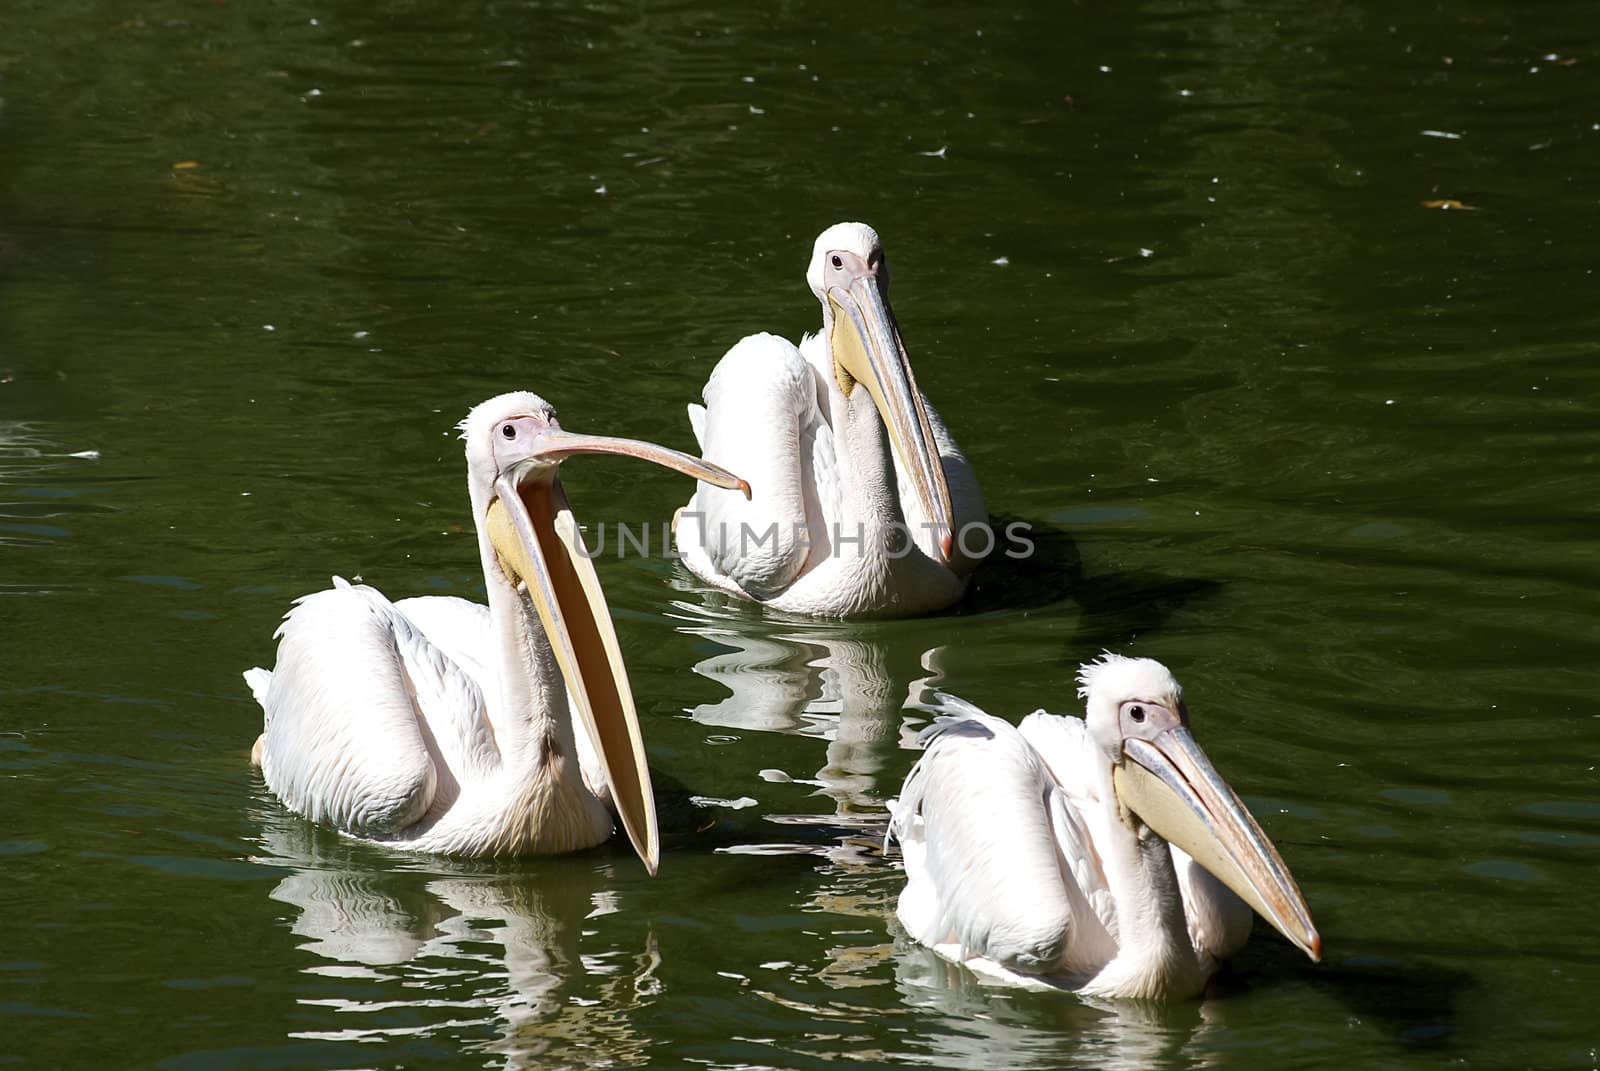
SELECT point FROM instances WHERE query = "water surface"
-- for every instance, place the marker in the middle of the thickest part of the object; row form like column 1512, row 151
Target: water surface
column 1276, row 322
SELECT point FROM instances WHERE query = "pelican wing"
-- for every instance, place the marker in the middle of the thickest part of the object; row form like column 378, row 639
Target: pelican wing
column 460, row 629
column 992, row 846
column 369, row 724
column 760, row 420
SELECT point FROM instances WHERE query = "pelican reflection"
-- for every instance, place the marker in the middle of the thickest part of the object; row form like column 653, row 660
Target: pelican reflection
column 1041, row 1031
column 513, row 958
column 833, row 682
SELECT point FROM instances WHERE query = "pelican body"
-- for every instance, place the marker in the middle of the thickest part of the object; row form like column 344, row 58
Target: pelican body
column 1104, row 855
column 863, row 505
column 439, row 725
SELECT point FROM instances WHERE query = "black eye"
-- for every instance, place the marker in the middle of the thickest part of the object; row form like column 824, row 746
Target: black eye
column 1136, row 713
column 838, row 261
column 508, row 430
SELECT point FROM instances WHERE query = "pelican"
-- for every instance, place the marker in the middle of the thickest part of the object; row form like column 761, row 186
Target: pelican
column 438, row 725
column 863, row 504
column 1103, row 855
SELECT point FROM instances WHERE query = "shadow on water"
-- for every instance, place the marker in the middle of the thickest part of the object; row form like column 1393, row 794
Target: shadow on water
column 1116, row 606
column 1416, row 1005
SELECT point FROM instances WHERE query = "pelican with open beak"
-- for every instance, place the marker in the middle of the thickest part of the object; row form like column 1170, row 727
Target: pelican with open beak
column 1104, row 855
column 863, row 504
column 439, row 725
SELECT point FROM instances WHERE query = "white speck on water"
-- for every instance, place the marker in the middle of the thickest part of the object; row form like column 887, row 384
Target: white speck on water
column 1001, row 261
column 1104, row 69
column 1151, row 479
column 776, row 965
column 314, row 22
column 776, row 776
column 360, row 334
column 1146, row 252
column 939, row 152
column 268, row 327
column 1388, row 401
column 601, row 190
column 244, row 494
column 313, row 92
column 90, row 455
column 757, row 111
column 748, row 78
column 1185, row 92
column 1446, row 134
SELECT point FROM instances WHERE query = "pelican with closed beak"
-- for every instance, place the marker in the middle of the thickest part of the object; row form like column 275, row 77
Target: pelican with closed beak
column 1104, row 855
column 439, row 725
column 864, row 506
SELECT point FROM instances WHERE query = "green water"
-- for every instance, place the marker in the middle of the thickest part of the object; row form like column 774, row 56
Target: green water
column 1167, row 268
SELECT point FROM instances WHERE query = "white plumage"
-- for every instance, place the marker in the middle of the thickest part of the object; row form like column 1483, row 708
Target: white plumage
column 862, row 502
column 438, row 725
column 1032, row 855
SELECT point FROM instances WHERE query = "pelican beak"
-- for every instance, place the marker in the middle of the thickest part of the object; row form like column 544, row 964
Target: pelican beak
column 1168, row 782
column 866, row 347
column 533, row 531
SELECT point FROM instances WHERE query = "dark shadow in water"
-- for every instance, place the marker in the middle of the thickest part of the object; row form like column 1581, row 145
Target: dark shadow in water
column 1417, row 1005
column 1051, row 572
column 1116, row 607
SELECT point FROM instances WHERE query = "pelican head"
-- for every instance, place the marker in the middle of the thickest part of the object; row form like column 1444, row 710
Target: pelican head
column 515, row 447
column 1164, row 782
column 850, row 276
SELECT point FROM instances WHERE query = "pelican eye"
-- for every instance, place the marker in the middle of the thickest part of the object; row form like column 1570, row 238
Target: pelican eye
column 838, row 261
column 1136, row 713
column 508, row 430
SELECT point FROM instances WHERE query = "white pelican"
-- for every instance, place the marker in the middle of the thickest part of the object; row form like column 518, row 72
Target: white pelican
column 439, row 725
column 1094, row 855
column 863, row 503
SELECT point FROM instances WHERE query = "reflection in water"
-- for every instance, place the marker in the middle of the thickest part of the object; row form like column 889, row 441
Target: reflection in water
column 506, row 957
column 813, row 679
column 1044, row 1030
